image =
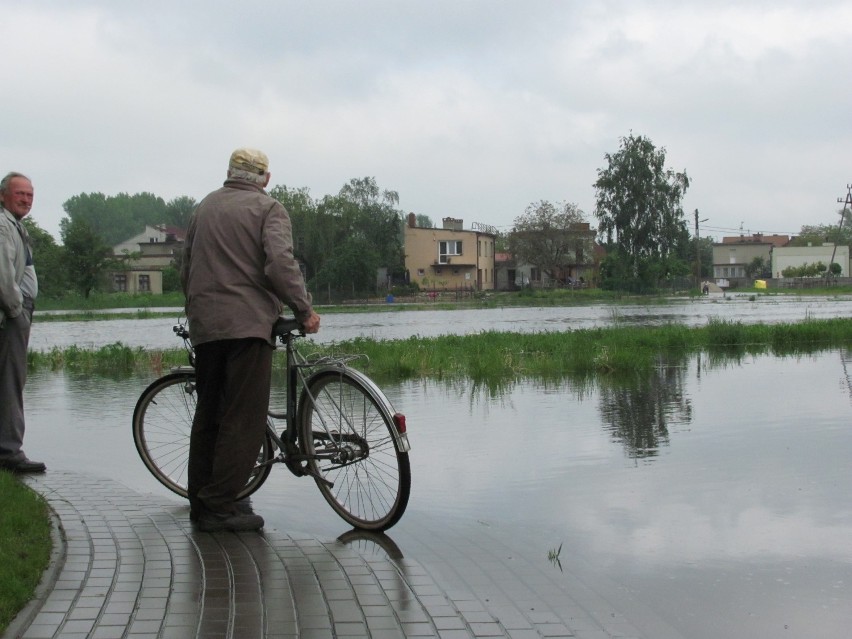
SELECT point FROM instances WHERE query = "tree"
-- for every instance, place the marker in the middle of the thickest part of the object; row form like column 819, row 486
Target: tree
column 179, row 210
column 116, row 218
column 552, row 237
column 817, row 234
column 360, row 227
column 758, row 267
column 638, row 203
column 49, row 261
column 87, row 256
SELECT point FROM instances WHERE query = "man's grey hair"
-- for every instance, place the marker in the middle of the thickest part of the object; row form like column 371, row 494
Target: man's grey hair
column 247, row 176
column 4, row 183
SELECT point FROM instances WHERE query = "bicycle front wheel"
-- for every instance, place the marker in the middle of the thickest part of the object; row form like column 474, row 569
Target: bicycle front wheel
column 353, row 451
column 162, row 423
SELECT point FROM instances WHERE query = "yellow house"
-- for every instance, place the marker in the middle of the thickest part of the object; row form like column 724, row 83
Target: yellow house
column 155, row 249
column 450, row 257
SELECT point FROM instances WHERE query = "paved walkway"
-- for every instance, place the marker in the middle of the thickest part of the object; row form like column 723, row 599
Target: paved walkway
column 127, row 565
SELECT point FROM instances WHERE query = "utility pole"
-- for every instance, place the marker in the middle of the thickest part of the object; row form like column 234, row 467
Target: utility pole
column 697, row 254
column 697, row 251
column 845, row 203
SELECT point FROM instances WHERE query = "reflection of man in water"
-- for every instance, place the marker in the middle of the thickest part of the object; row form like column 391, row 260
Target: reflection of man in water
column 18, row 290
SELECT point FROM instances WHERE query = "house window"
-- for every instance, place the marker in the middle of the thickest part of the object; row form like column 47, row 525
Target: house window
column 535, row 275
column 144, row 283
column 447, row 248
column 119, row 282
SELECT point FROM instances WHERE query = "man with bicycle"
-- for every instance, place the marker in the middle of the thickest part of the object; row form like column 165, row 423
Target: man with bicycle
column 238, row 272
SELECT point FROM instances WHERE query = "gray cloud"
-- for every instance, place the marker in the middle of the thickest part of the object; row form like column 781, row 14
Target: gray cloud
column 469, row 110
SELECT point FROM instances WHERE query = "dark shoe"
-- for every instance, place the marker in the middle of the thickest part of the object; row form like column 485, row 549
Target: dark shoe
column 235, row 522
column 241, row 506
column 23, row 466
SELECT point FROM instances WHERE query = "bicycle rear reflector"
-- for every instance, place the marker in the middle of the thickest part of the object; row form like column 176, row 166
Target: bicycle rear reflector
column 399, row 420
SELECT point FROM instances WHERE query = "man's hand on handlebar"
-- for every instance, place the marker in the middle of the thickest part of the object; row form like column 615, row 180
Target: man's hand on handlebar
column 312, row 323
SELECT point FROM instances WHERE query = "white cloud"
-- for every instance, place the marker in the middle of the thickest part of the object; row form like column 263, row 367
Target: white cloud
column 466, row 109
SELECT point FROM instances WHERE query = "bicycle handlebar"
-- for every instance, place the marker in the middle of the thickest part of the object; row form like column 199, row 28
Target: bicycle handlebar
column 285, row 326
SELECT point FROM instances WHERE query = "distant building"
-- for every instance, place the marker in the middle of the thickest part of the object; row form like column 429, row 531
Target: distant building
column 733, row 255
column 154, row 249
column 450, row 257
column 791, row 256
column 580, row 270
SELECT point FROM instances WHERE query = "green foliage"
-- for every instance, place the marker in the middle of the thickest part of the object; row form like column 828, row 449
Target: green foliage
column 49, row 260
column 638, row 204
column 97, row 300
column 815, row 269
column 171, row 280
column 817, row 234
column 117, row 218
column 552, row 237
column 25, row 545
column 353, row 265
column 402, row 290
column 494, row 357
column 87, row 256
column 620, row 272
column 177, row 213
column 344, row 239
column 759, row 267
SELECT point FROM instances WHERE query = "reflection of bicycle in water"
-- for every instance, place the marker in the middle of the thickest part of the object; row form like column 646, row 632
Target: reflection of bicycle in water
column 371, row 544
column 339, row 428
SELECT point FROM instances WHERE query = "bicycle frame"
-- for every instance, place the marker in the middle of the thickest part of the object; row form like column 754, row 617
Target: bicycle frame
column 339, row 428
column 286, row 330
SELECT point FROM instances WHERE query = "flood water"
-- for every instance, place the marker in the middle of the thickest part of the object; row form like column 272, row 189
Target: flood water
column 708, row 500
column 157, row 333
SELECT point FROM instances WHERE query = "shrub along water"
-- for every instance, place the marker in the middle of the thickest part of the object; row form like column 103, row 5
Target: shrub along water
column 494, row 356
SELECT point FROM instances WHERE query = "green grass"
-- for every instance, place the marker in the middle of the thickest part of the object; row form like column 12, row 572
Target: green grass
column 495, row 357
column 25, row 545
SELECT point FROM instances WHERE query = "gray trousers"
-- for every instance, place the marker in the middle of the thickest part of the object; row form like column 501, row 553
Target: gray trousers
column 14, row 339
column 232, row 380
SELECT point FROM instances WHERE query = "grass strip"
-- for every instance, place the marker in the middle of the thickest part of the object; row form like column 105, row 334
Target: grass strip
column 495, row 356
column 25, row 545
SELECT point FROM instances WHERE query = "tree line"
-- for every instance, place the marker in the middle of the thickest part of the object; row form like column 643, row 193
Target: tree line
column 343, row 240
column 346, row 240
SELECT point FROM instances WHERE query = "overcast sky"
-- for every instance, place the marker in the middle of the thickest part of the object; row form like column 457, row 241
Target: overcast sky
column 470, row 110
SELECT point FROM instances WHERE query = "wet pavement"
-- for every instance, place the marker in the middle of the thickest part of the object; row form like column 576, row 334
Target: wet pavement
column 127, row 565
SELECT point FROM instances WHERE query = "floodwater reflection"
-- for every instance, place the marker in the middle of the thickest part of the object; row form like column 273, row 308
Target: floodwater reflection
column 714, row 491
column 638, row 414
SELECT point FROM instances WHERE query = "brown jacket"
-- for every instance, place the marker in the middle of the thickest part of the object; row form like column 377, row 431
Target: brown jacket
column 238, row 266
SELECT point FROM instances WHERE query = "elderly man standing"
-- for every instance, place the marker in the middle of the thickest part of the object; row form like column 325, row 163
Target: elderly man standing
column 18, row 290
column 238, row 272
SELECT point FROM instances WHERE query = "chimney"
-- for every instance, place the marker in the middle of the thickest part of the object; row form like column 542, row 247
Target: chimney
column 412, row 221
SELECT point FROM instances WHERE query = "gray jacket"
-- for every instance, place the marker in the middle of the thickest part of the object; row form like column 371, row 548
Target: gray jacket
column 13, row 260
column 238, row 266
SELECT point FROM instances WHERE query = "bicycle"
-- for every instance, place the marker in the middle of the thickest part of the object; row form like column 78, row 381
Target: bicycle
column 339, row 428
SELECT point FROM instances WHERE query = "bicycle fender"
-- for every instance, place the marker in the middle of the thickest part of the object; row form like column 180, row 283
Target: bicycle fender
column 376, row 395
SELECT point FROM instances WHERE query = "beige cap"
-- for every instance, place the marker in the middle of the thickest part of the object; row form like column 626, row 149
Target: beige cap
column 250, row 160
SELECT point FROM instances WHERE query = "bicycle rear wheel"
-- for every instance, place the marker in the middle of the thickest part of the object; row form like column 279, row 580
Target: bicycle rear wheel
column 162, row 422
column 353, row 450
